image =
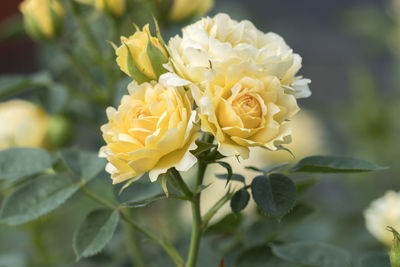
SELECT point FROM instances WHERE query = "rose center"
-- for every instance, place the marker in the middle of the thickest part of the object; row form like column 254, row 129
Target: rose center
column 143, row 123
column 248, row 108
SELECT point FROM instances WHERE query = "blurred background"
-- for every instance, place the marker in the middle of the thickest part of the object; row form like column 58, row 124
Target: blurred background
column 350, row 51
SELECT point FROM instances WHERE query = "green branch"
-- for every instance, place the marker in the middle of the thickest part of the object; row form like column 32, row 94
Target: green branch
column 165, row 244
column 215, row 208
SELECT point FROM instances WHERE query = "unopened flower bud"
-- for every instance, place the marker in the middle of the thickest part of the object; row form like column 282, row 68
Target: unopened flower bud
column 43, row 18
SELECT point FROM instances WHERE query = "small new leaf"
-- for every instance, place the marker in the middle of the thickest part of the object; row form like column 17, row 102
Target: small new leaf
column 234, row 177
column 228, row 169
column 267, row 169
column 240, row 200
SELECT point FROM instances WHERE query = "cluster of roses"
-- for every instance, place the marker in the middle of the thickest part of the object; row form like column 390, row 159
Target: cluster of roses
column 224, row 77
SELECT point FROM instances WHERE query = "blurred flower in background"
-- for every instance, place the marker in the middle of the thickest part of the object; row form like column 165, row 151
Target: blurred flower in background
column 381, row 213
column 113, row 7
column 25, row 124
column 183, row 9
column 43, row 18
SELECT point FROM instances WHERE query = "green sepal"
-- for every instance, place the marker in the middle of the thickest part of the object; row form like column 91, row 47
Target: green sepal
column 157, row 58
column 33, row 28
column 158, row 34
column 395, row 249
column 137, row 29
column 133, row 70
column 56, row 22
column 113, row 45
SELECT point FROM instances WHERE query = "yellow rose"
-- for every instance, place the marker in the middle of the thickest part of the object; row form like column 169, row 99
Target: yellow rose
column 114, row 7
column 247, row 112
column 182, row 9
column 211, row 47
column 22, row 124
column 43, row 18
column 381, row 213
column 143, row 60
column 152, row 130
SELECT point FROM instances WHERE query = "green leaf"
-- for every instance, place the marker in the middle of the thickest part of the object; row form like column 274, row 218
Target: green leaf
column 234, row 177
column 377, row 260
column 54, row 98
column 313, row 254
column 157, row 58
column 267, row 169
column 228, row 169
column 11, row 84
column 95, row 232
column 36, row 198
column 305, row 184
column 11, row 259
column 21, row 162
column 268, row 229
column 133, row 70
column 227, row 225
column 140, row 190
column 86, row 165
column 275, row 195
column 144, row 202
column 272, row 168
column 260, row 256
column 334, row 164
column 240, row 200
